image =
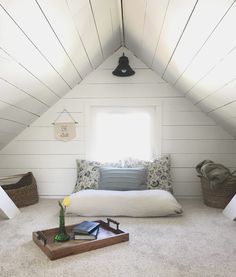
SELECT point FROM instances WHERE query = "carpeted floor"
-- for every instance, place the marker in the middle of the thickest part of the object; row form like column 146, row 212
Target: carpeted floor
column 200, row 243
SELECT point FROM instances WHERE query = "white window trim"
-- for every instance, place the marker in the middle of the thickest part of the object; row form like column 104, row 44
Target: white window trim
column 155, row 104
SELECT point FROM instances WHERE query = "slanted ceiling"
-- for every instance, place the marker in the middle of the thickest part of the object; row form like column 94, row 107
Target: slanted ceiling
column 48, row 46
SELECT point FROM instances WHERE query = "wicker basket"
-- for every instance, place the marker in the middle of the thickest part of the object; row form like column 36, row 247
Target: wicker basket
column 218, row 198
column 24, row 192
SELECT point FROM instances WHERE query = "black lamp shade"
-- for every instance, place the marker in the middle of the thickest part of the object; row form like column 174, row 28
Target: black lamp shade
column 123, row 69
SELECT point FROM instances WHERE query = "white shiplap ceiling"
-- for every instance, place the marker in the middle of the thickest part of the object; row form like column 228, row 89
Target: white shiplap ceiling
column 48, row 46
column 190, row 43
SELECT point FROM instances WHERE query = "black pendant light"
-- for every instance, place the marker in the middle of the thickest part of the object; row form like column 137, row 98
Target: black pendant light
column 123, row 69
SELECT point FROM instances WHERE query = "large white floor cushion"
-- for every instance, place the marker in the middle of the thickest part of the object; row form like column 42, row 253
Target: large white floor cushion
column 145, row 203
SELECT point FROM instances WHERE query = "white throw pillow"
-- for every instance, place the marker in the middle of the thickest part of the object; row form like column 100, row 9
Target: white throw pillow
column 146, row 203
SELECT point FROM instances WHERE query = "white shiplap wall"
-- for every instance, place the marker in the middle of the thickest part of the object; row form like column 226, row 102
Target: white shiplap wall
column 187, row 134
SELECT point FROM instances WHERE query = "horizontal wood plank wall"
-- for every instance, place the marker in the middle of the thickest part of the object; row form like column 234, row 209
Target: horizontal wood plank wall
column 188, row 135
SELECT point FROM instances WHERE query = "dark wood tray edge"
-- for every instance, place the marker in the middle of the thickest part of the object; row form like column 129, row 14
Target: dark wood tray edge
column 119, row 236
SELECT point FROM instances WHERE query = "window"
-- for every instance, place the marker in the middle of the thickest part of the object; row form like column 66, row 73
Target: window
column 119, row 133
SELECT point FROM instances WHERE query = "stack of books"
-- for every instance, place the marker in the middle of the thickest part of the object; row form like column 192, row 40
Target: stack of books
column 86, row 230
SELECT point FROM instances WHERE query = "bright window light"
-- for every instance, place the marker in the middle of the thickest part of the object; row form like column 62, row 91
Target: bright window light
column 121, row 135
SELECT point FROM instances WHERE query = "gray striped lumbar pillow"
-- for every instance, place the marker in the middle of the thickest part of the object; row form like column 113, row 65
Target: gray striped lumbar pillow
column 122, row 179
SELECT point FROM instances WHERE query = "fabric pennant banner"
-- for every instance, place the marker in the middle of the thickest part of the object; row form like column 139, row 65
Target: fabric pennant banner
column 65, row 131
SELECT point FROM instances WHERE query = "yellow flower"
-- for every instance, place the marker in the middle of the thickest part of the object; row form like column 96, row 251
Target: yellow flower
column 66, row 201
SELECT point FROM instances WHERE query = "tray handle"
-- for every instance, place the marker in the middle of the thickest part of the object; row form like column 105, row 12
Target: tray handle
column 42, row 237
column 110, row 220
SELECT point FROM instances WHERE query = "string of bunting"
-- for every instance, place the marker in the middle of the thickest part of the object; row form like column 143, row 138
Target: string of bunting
column 65, row 131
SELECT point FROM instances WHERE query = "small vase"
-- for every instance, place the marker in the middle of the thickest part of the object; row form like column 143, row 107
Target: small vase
column 62, row 235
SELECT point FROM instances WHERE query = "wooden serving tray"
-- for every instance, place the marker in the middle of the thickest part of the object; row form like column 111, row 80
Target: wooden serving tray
column 56, row 250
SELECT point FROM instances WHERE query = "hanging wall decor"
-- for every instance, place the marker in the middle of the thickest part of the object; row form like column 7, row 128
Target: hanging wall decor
column 65, row 131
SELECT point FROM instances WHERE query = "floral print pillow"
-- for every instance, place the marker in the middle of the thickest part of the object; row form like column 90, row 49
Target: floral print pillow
column 88, row 174
column 158, row 174
column 131, row 163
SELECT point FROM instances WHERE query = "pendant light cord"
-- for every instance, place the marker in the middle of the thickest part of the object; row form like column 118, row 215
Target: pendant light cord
column 123, row 26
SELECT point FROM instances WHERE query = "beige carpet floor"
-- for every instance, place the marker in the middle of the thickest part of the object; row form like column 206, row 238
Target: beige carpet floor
column 200, row 243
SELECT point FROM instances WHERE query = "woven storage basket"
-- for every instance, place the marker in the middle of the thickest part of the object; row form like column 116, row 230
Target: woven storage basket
column 220, row 197
column 24, row 192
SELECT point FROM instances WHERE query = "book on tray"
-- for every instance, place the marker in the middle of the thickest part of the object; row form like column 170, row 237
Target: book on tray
column 86, row 230
column 91, row 236
column 86, row 227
